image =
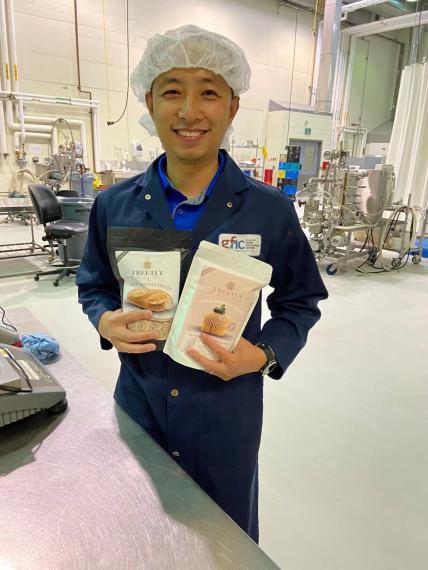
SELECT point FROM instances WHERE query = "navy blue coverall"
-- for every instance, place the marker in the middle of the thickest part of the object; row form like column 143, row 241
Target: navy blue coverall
column 212, row 428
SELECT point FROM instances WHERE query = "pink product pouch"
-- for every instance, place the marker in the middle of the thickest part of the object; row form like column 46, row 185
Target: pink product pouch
column 219, row 296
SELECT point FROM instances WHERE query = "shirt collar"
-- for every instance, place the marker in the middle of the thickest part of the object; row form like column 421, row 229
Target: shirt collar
column 167, row 184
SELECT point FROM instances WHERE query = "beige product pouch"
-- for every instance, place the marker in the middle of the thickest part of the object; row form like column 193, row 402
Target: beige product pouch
column 148, row 264
column 219, row 296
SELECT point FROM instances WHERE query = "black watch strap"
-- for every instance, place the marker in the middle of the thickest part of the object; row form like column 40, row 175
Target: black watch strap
column 271, row 363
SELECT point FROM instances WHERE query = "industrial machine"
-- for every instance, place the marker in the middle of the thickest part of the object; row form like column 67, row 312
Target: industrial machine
column 65, row 165
column 350, row 215
column 26, row 386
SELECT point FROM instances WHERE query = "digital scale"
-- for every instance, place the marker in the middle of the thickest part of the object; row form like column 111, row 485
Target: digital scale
column 26, row 386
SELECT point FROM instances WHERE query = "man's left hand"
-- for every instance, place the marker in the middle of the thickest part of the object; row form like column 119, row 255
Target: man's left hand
column 244, row 359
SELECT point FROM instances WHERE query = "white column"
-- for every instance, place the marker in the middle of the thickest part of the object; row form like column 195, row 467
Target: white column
column 330, row 43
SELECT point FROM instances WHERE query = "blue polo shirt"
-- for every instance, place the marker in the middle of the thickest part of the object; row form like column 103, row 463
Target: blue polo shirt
column 186, row 211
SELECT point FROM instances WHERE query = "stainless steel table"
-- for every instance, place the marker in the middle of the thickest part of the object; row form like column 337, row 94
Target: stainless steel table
column 91, row 490
column 9, row 251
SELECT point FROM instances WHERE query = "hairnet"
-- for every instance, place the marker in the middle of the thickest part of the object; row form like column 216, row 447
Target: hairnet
column 190, row 46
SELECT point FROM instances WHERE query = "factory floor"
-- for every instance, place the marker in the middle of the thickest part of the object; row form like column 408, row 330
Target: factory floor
column 344, row 456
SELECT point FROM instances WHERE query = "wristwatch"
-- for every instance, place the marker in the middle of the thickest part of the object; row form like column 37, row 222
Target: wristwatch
column 271, row 363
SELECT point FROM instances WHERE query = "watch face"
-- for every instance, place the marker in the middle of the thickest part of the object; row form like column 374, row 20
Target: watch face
column 269, row 367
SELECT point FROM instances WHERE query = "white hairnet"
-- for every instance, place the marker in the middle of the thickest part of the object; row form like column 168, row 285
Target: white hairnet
column 190, row 46
column 147, row 123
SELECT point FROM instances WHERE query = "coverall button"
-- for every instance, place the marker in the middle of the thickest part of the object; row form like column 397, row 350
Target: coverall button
column 174, row 393
column 176, row 453
column 147, row 196
column 229, row 205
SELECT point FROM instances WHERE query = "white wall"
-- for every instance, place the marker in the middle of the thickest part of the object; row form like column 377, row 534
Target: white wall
column 374, row 76
column 47, row 56
column 279, row 123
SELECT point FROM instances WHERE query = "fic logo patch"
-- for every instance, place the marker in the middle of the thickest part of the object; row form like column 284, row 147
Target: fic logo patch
column 245, row 243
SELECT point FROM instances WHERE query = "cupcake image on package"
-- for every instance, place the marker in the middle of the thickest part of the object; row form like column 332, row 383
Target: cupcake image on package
column 220, row 293
column 216, row 322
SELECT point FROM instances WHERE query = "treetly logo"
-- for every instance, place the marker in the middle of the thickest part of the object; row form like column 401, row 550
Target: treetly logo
column 147, row 272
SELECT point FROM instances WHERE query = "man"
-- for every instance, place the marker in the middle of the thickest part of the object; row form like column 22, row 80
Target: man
column 210, row 421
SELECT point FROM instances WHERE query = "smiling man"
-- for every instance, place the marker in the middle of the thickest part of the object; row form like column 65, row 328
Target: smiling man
column 209, row 421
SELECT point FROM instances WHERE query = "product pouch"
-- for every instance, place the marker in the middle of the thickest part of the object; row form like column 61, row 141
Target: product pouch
column 148, row 264
column 218, row 298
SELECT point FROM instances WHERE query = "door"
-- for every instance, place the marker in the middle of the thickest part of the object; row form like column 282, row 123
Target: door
column 310, row 159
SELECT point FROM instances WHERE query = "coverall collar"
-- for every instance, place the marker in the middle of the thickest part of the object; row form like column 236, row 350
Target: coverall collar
column 223, row 203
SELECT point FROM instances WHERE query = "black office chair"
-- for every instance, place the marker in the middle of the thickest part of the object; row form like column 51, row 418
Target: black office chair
column 48, row 212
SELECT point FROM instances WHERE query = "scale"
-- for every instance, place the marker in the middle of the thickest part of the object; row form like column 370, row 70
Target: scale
column 26, row 387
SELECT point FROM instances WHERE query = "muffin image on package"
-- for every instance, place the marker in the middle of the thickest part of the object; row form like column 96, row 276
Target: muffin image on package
column 216, row 323
column 155, row 300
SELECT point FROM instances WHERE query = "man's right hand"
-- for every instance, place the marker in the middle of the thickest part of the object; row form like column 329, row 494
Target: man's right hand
column 112, row 326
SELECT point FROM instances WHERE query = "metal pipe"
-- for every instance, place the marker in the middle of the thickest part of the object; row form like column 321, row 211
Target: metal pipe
column 5, row 59
column 3, row 138
column 54, row 141
column 50, row 120
column 315, row 33
column 296, row 4
column 84, row 143
column 4, row 77
column 37, row 98
column 348, row 8
column 16, row 136
column 96, row 139
column 382, row 26
column 31, row 127
column 95, row 148
column 14, row 62
column 7, row 27
column 338, row 88
column 363, row 96
column 348, row 81
column 330, row 42
column 316, row 68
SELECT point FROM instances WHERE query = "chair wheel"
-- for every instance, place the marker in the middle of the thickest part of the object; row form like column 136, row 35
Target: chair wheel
column 36, row 278
column 331, row 269
column 416, row 259
column 55, row 283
